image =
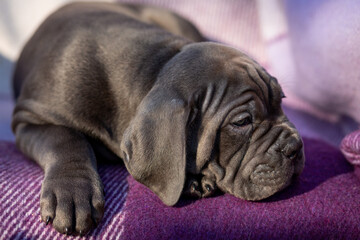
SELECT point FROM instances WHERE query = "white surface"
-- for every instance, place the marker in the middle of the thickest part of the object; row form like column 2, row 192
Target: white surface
column 19, row 19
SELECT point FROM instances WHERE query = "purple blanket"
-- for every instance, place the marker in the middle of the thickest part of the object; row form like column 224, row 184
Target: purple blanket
column 323, row 203
column 20, row 183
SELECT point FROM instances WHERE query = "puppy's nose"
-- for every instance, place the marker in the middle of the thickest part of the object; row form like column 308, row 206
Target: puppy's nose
column 292, row 148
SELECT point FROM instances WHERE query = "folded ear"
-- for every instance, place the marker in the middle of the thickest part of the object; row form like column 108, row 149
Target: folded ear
column 153, row 146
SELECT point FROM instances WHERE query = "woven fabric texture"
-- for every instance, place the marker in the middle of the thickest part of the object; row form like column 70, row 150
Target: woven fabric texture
column 322, row 203
column 20, row 184
column 350, row 147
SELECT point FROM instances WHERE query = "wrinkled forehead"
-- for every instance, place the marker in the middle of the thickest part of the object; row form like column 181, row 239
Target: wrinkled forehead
column 245, row 76
column 229, row 73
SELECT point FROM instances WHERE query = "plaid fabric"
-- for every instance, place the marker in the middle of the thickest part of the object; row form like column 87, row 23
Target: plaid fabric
column 323, row 204
column 20, row 184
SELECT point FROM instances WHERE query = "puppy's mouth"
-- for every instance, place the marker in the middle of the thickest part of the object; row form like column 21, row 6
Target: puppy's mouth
column 265, row 171
column 267, row 175
column 266, row 179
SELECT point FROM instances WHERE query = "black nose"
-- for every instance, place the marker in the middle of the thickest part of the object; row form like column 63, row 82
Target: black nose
column 292, row 148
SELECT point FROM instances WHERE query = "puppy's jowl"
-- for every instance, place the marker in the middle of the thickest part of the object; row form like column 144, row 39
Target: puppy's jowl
column 185, row 116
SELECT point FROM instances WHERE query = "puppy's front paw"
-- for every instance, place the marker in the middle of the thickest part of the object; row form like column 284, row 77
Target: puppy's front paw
column 192, row 188
column 72, row 201
column 209, row 187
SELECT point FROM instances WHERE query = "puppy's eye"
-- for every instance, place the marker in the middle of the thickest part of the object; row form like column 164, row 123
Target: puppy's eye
column 243, row 122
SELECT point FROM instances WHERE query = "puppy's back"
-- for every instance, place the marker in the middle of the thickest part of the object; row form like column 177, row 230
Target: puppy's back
column 88, row 67
column 88, row 21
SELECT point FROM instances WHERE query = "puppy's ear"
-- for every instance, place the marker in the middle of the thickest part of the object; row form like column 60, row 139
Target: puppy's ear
column 153, row 146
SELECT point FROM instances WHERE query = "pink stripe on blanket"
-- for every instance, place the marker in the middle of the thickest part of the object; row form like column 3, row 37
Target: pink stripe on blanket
column 20, row 184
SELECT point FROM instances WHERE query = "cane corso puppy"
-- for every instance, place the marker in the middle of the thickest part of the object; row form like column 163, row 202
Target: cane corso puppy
column 139, row 85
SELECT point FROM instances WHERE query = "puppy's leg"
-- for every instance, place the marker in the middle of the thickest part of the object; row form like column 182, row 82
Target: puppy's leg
column 72, row 194
column 192, row 188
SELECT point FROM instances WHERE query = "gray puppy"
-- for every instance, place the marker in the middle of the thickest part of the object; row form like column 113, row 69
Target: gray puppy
column 108, row 81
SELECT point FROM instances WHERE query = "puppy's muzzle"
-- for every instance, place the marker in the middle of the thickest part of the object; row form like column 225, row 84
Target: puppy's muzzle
column 283, row 160
column 275, row 156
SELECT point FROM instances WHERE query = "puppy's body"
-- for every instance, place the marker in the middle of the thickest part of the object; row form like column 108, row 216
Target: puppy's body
column 98, row 63
column 184, row 116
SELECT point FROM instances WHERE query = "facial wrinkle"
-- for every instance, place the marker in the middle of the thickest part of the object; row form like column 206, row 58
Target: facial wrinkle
column 254, row 75
column 218, row 98
column 208, row 98
column 234, row 164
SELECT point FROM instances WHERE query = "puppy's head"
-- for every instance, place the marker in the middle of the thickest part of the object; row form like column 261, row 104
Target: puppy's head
column 215, row 109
